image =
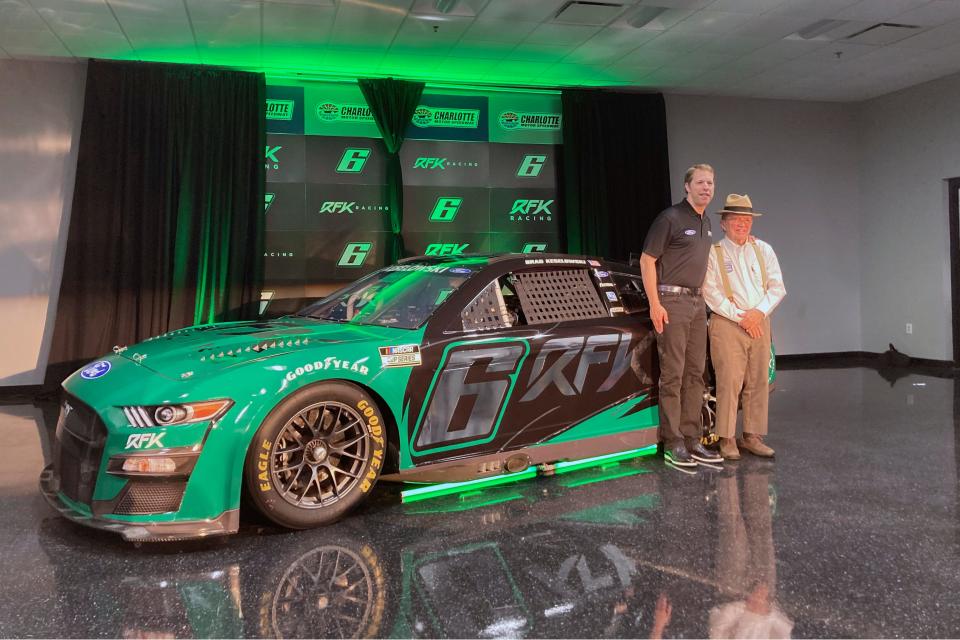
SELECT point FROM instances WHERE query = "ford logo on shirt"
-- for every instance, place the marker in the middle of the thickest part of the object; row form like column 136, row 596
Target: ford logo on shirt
column 95, row 370
column 690, row 232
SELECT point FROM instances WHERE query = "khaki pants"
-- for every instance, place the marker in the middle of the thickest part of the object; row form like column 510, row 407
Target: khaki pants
column 742, row 366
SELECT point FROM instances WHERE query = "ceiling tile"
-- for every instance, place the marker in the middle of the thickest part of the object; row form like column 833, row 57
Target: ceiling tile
column 24, row 43
column 690, row 5
column 523, row 10
column 789, row 49
column 931, row 14
column 643, row 56
column 712, row 22
column 535, row 52
column 610, row 44
column 498, row 30
column 429, row 36
column 88, row 29
column 409, row 64
column 158, row 31
column 816, row 9
column 562, row 34
column 772, row 26
column 24, row 33
column 732, row 45
column 878, row 10
column 676, row 42
column 481, row 50
column 935, row 38
column 458, row 67
column 661, row 22
column 746, row 6
column 361, row 23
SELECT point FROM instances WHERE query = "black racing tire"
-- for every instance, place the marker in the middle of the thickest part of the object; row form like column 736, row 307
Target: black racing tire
column 316, row 456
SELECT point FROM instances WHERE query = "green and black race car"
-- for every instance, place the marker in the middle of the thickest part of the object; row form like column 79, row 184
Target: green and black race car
column 433, row 369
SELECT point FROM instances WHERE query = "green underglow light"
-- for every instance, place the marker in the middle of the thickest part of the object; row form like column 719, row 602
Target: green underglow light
column 611, row 475
column 573, row 465
column 426, row 492
column 447, row 488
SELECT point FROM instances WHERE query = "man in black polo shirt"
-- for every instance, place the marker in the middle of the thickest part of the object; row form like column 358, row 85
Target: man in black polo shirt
column 674, row 263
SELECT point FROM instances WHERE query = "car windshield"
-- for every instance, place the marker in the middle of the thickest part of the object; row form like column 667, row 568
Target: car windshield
column 402, row 295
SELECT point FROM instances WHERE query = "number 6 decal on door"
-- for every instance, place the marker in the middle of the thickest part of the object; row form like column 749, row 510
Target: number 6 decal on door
column 468, row 395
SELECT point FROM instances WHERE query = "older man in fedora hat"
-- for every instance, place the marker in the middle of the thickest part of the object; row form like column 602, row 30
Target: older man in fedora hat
column 743, row 286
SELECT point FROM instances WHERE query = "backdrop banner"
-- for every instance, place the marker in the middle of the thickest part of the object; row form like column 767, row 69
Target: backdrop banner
column 479, row 176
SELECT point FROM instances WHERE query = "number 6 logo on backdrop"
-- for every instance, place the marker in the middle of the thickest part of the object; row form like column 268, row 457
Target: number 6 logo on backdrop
column 460, row 413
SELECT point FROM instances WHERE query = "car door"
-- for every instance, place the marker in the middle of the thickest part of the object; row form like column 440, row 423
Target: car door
column 531, row 352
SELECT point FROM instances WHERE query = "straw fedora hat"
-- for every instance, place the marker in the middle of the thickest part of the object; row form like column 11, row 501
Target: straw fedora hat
column 738, row 204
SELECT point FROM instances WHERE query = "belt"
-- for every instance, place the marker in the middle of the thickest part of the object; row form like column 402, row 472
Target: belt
column 669, row 288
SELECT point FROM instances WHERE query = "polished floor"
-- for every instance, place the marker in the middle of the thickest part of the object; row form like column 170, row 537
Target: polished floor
column 853, row 531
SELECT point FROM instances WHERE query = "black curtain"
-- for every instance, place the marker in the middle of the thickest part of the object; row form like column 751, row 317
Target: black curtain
column 167, row 225
column 615, row 175
column 392, row 103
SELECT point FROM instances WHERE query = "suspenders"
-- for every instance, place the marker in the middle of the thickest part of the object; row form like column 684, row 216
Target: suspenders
column 723, row 272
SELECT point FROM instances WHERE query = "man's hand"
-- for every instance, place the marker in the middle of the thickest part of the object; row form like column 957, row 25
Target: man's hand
column 659, row 316
column 752, row 323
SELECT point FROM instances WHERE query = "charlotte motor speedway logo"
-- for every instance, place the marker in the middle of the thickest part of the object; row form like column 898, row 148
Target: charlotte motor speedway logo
column 443, row 117
column 526, row 121
column 333, row 112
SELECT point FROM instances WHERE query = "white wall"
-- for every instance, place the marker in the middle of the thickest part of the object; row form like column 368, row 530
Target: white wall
column 40, row 110
column 910, row 144
column 798, row 162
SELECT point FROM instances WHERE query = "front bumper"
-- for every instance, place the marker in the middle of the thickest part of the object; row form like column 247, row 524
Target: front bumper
column 226, row 523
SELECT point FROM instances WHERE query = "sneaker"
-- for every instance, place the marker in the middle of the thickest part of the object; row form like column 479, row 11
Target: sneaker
column 701, row 454
column 677, row 455
column 728, row 449
column 754, row 444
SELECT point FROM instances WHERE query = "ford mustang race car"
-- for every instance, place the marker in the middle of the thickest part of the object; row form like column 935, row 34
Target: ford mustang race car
column 434, row 369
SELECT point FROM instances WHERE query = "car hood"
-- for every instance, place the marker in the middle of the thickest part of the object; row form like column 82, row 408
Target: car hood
column 207, row 349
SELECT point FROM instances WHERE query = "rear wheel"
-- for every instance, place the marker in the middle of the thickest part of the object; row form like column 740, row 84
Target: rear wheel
column 316, row 456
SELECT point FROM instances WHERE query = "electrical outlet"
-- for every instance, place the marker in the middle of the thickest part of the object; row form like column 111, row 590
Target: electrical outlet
column 909, row 327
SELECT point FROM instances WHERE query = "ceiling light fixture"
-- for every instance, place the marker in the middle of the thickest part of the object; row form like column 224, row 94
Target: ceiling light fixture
column 644, row 16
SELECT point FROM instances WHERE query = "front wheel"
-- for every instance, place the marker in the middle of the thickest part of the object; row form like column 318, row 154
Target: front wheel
column 316, row 456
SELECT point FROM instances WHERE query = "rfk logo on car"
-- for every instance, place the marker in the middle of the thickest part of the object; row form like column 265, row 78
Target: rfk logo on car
column 144, row 441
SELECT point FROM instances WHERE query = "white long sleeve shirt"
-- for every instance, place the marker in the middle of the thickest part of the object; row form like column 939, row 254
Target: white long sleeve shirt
column 746, row 280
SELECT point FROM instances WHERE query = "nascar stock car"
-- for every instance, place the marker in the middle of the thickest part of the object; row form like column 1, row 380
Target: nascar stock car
column 435, row 369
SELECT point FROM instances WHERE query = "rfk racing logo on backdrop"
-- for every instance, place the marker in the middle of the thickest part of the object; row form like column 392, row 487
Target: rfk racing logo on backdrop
column 271, row 159
column 446, row 249
column 351, row 206
column 531, row 210
column 441, row 164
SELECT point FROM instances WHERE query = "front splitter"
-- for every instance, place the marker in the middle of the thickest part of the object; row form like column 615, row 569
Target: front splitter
column 226, row 523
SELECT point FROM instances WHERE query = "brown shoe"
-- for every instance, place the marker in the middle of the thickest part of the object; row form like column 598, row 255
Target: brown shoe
column 754, row 444
column 728, row 449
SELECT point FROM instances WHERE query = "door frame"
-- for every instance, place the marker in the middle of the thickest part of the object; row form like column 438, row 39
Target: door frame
column 953, row 212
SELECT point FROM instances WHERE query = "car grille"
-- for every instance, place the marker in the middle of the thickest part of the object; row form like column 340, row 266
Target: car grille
column 151, row 496
column 80, row 439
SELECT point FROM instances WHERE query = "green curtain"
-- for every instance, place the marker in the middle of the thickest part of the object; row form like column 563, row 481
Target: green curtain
column 392, row 103
column 167, row 226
